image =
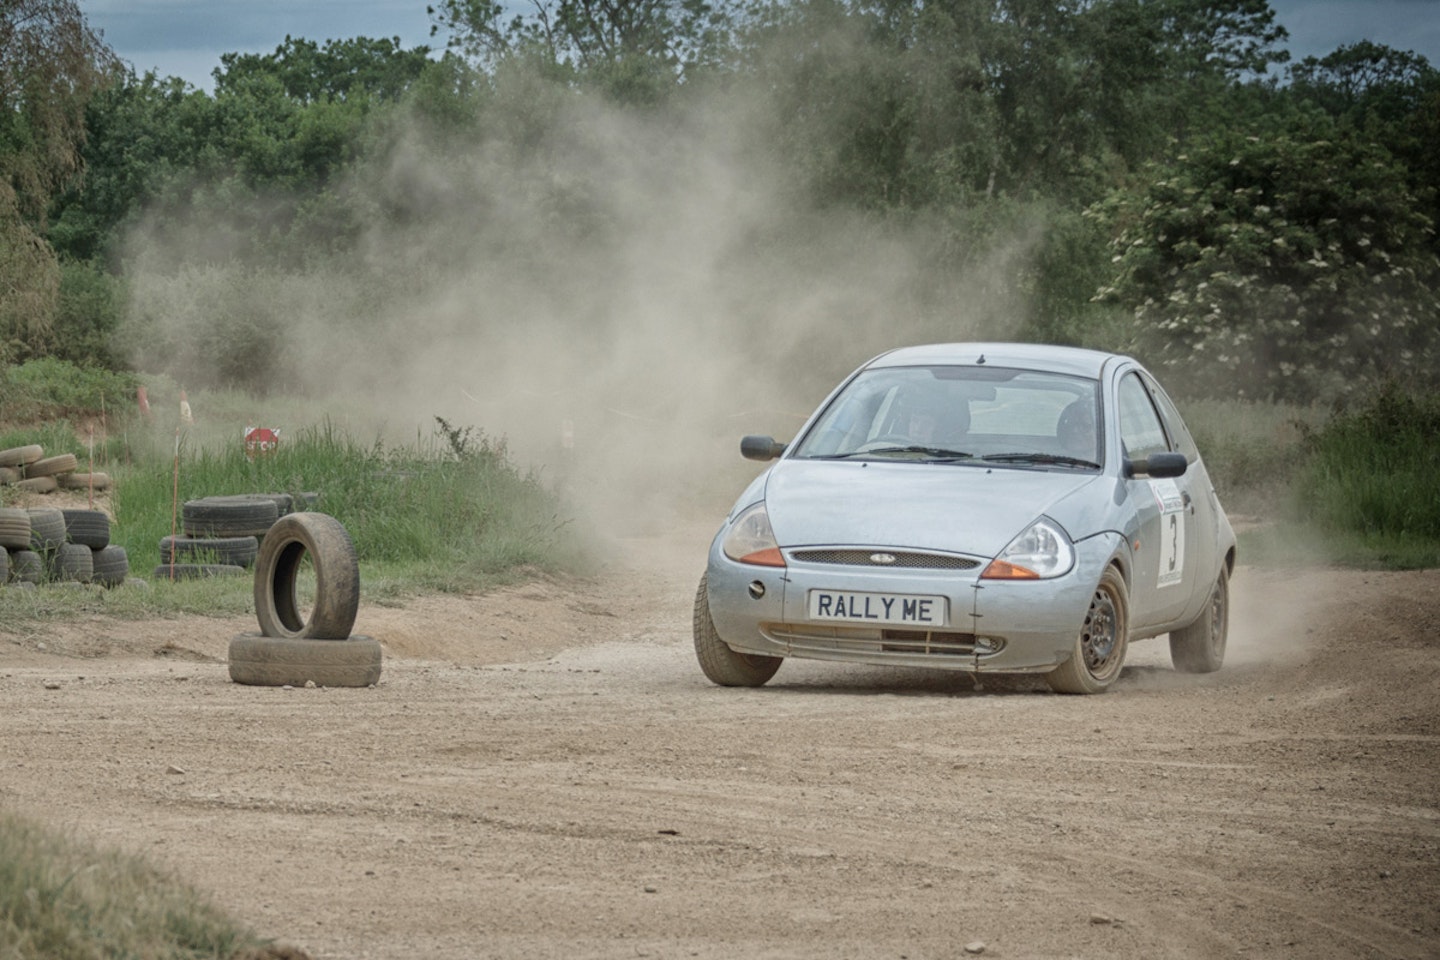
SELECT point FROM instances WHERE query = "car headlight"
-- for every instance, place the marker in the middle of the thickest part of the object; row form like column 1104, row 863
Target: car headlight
column 750, row 539
column 1040, row 552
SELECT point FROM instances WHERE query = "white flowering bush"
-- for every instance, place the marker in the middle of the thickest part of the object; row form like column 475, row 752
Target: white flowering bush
column 1293, row 264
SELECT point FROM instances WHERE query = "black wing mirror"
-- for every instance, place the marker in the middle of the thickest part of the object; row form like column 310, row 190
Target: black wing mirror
column 760, row 448
column 1161, row 466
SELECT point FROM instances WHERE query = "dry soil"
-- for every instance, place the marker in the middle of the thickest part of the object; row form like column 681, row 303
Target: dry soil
column 543, row 772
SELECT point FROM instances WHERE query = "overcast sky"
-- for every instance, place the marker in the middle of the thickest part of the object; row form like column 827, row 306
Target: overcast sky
column 185, row 38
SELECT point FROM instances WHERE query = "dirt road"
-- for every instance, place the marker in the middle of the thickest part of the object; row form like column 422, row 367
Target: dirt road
column 544, row 772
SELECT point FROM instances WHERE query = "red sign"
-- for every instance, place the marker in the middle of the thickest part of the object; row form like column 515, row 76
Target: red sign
column 260, row 441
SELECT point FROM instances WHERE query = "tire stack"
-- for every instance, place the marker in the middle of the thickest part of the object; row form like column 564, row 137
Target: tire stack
column 297, row 647
column 27, row 468
column 48, row 545
column 222, row 534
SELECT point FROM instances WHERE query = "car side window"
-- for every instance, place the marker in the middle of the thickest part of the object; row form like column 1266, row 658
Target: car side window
column 1140, row 429
column 1174, row 423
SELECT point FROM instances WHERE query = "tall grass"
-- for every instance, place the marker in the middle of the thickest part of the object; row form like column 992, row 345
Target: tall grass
column 62, row 900
column 1371, row 481
column 446, row 512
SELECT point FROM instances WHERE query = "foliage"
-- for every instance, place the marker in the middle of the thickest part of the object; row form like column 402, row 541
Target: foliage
column 1373, row 477
column 449, row 512
column 1284, row 261
column 64, row 900
column 49, row 388
column 340, row 70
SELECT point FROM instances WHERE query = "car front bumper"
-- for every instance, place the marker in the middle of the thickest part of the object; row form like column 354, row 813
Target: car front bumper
column 990, row 626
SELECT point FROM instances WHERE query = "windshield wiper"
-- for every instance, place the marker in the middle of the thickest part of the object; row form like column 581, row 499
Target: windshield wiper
column 934, row 453
column 1044, row 458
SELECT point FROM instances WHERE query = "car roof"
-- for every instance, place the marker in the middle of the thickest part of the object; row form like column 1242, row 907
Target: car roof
column 1077, row 361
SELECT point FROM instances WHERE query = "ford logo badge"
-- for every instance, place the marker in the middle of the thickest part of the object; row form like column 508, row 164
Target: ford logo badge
column 882, row 558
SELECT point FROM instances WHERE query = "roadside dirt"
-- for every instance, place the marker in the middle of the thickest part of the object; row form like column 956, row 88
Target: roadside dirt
column 543, row 772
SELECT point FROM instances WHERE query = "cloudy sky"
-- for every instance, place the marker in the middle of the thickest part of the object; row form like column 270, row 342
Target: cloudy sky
column 185, row 38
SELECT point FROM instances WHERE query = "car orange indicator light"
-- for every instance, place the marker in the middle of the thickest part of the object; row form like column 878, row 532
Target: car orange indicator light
column 1004, row 570
column 765, row 558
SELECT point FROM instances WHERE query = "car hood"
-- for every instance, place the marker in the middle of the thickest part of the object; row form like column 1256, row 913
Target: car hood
column 950, row 507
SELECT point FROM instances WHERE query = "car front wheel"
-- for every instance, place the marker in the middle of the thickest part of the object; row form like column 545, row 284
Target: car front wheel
column 722, row 665
column 1100, row 648
column 1200, row 647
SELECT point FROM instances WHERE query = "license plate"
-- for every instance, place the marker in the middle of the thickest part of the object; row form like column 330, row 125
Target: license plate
column 895, row 608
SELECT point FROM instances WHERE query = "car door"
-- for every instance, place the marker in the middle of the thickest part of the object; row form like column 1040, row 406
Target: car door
column 1164, row 544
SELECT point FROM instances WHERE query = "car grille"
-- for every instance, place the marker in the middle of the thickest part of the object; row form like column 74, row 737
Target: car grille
column 807, row 638
column 865, row 558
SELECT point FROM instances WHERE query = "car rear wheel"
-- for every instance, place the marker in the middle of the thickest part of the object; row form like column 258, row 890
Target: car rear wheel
column 1100, row 648
column 1200, row 647
column 721, row 664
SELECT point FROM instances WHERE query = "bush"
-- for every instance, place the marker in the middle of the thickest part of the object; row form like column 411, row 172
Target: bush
column 54, row 389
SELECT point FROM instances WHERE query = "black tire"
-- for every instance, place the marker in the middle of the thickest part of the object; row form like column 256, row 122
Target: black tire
column 324, row 542
column 243, row 516
column 47, row 529
column 73, row 561
column 293, row 662
column 14, row 528
column 722, row 665
column 50, row 466
column 1099, row 653
column 20, row 456
column 26, row 566
column 235, row 551
column 111, row 565
column 1200, row 647
column 196, row 571
column 83, row 481
column 90, row 527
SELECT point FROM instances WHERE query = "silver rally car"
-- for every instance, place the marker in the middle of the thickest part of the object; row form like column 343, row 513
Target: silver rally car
column 987, row 507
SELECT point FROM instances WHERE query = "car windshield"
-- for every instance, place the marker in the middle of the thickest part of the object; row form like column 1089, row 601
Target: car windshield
column 960, row 414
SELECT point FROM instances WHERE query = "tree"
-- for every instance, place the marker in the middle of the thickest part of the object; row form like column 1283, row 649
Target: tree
column 50, row 65
column 361, row 67
column 1290, row 261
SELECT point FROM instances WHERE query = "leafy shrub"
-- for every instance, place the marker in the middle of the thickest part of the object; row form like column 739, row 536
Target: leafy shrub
column 50, row 388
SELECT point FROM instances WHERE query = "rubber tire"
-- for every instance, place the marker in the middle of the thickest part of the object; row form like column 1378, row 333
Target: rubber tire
column 83, row 481
column 73, row 561
column 235, row 551
column 50, row 466
column 242, row 516
column 90, row 527
column 1200, row 647
column 20, row 456
column 195, row 571
column 38, row 485
column 10, row 475
column 1110, row 601
column 47, row 529
column 111, row 565
column 292, row 662
column 4, row 566
column 26, row 566
column 14, row 528
column 720, row 664
column 337, row 578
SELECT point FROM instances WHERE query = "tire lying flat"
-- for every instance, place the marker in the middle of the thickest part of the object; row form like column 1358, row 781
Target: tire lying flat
column 261, row 661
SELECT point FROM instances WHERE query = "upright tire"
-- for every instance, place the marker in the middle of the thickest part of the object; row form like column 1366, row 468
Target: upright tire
column 26, row 566
column 722, row 665
column 73, row 561
column 1200, row 647
column 111, row 565
column 47, row 529
column 89, row 527
column 320, row 539
column 286, row 662
column 14, row 528
column 1100, row 648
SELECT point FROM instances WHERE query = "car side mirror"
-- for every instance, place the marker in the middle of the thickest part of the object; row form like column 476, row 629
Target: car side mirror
column 760, row 448
column 1161, row 466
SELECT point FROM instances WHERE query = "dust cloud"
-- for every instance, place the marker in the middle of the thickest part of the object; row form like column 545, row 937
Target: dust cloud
column 620, row 296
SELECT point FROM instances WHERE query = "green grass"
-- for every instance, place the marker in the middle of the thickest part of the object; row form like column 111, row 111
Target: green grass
column 446, row 512
column 62, row 900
